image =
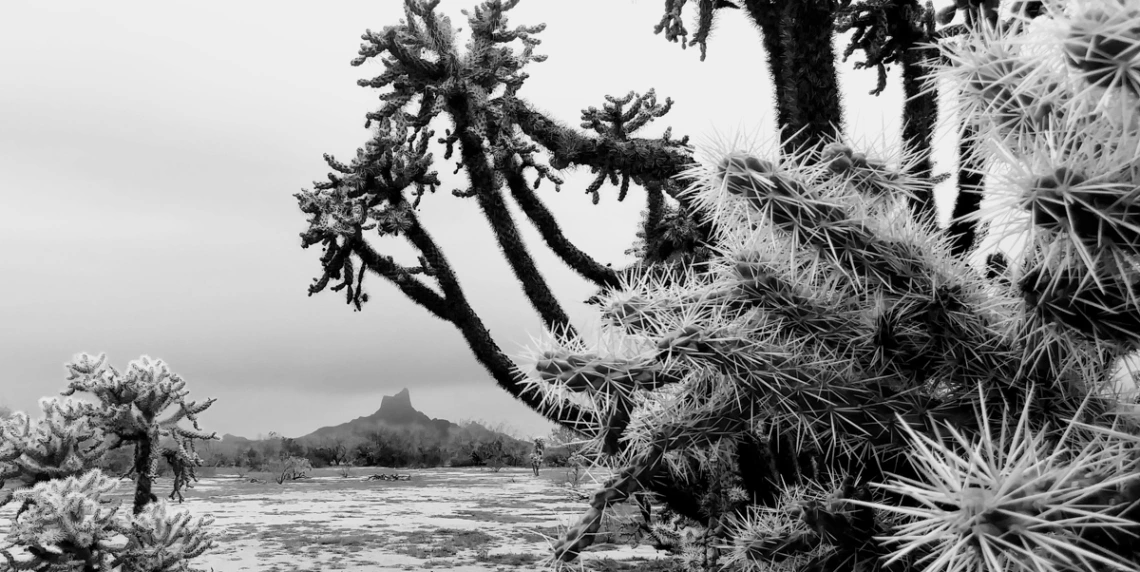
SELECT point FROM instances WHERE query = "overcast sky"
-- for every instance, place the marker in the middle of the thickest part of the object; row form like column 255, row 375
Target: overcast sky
column 149, row 153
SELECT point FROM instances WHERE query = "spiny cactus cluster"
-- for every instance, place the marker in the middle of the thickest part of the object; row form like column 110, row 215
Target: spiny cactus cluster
column 872, row 400
column 64, row 523
column 65, row 442
column 68, row 525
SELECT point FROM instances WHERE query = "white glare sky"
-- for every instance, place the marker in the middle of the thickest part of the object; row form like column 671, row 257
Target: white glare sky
column 149, row 153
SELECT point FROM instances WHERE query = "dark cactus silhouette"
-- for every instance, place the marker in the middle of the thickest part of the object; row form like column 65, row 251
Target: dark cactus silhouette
column 500, row 137
column 809, row 370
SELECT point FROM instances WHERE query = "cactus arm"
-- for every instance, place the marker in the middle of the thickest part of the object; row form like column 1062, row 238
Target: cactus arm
column 490, row 199
column 648, row 159
column 544, row 221
column 409, row 285
column 971, row 180
column 654, row 212
column 486, row 351
column 765, row 14
column 892, row 266
column 811, row 90
column 920, row 113
column 889, row 32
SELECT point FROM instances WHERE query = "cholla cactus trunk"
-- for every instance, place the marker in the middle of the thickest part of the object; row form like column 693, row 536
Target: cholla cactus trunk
column 906, row 409
column 811, row 91
column 920, row 113
column 971, row 180
column 146, row 465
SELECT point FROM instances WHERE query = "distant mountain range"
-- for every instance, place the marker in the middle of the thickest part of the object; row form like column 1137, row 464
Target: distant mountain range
column 396, row 412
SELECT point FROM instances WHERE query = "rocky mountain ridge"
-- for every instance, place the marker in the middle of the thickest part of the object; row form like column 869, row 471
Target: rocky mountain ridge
column 395, row 412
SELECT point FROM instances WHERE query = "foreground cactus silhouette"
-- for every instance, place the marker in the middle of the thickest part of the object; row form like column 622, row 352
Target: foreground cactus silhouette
column 872, row 400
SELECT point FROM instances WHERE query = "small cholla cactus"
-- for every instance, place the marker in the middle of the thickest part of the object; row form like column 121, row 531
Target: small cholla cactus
column 132, row 410
column 880, row 403
column 67, row 525
column 166, row 540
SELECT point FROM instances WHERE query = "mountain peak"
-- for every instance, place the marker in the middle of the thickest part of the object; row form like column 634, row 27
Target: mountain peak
column 396, row 412
column 401, row 402
column 397, row 409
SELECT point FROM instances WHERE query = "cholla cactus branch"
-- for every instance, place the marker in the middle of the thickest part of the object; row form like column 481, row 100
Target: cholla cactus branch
column 602, row 275
column 675, row 31
column 970, row 181
column 642, row 159
column 884, row 30
column 487, row 186
column 403, row 278
column 812, row 84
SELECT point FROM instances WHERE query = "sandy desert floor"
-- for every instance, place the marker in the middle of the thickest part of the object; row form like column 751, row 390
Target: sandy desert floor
column 461, row 520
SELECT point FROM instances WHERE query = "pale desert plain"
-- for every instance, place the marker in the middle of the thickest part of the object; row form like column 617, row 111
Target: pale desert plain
column 455, row 519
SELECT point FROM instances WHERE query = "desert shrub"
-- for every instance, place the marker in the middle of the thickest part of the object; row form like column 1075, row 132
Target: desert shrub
column 252, row 460
column 290, row 469
column 490, row 454
column 555, row 457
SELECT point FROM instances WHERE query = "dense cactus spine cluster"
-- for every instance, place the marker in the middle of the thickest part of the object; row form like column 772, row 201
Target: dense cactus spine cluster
column 917, row 410
column 1101, row 43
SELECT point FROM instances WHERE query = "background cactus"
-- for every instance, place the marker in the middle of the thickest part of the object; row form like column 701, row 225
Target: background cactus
column 131, row 410
column 64, row 523
column 900, row 406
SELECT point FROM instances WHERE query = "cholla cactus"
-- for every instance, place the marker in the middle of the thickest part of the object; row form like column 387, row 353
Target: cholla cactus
column 68, row 525
column 132, row 406
column 165, row 540
column 65, row 442
column 62, row 523
column 65, row 524
column 913, row 410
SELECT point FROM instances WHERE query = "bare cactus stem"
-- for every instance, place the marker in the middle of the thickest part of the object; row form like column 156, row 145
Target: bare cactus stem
column 963, row 229
column 920, row 114
column 811, row 91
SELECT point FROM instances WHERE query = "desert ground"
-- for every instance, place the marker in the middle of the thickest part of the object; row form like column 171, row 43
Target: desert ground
column 460, row 520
